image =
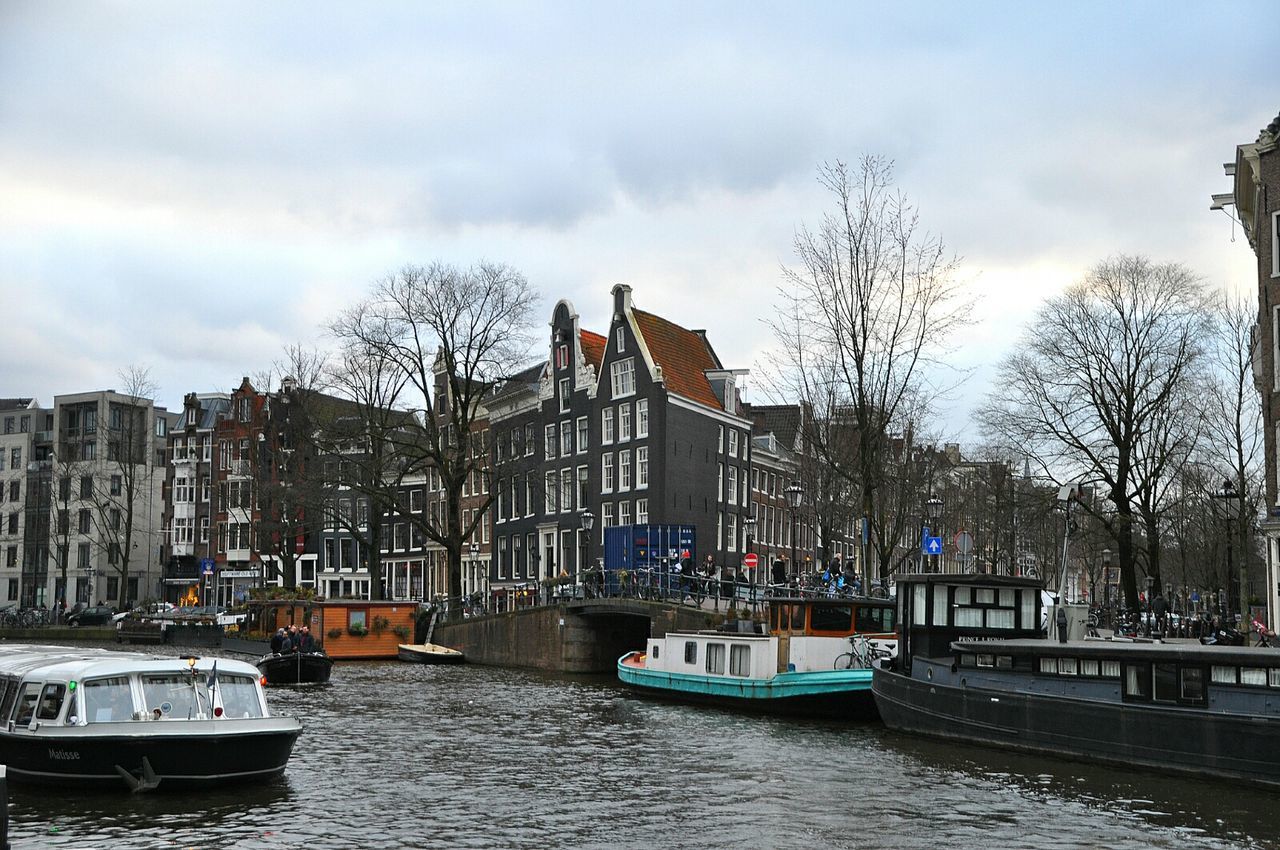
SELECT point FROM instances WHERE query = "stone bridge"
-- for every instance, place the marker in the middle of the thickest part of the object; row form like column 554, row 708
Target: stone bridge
column 574, row 636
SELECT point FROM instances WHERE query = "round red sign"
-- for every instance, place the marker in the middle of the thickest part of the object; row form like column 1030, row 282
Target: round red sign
column 749, row 561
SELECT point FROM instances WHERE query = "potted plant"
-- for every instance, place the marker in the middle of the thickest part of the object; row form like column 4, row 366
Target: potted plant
column 334, row 632
column 380, row 623
column 401, row 631
column 357, row 630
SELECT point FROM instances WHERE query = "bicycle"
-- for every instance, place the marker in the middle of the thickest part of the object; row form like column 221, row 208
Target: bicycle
column 862, row 654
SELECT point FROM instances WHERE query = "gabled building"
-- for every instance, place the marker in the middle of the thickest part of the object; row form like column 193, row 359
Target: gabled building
column 189, row 500
column 1255, row 194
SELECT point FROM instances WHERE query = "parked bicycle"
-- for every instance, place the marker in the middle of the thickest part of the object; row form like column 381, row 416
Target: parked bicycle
column 862, row 654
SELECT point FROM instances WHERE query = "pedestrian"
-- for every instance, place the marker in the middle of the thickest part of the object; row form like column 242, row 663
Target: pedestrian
column 293, row 638
column 779, row 572
column 1161, row 609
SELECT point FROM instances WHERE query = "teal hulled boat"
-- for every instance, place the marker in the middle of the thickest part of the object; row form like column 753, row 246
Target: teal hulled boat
column 815, row 660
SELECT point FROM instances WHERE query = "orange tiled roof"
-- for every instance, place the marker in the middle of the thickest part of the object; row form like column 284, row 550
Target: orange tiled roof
column 682, row 354
column 592, row 347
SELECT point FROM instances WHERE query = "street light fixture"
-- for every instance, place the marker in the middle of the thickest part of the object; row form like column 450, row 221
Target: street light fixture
column 795, row 495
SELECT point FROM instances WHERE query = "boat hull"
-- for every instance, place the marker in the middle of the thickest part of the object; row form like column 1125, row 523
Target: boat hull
column 428, row 653
column 1194, row 742
column 838, row 694
column 181, row 754
column 296, row 668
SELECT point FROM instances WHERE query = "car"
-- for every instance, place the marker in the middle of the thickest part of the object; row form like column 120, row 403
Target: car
column 144, row 612
column 94, row 615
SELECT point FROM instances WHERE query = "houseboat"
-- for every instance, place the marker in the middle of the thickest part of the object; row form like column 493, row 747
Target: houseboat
column 92, row 717
column 295, row 668
column 972, row 666
column 813, row 661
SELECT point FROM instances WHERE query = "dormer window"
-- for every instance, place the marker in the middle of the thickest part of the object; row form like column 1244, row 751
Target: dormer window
column 620, row 340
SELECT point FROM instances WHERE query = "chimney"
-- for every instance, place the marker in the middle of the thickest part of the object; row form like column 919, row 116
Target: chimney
column 288, row 384
column 621, row 300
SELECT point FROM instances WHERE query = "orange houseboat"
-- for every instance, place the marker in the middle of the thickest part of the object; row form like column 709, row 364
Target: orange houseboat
column 346, row 628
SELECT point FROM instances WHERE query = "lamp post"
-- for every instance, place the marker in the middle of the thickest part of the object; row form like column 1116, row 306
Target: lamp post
column 933, row 512
column 588, row 521
column 1150, row 583
column 795, row 495
column 475, row 551
column 1232, row 507
column 1108, row 596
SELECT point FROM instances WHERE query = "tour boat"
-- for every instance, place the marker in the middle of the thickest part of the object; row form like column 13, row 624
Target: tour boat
column 428, row 653
column 94, row 717
column 806, row 664
column 295, row 668
column 972, row 666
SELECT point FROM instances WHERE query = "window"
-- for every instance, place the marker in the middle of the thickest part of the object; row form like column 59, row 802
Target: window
column 1192, row 689
column 566, row 438
column 642, row 511
column 624, row 513
column 15, row 490
column 357, row 618
column 204, row 488
column 549, row 493
column 624, row 469
column 582, row 487
column 82, row 556
column 528, row 440
column 107, row 700
column 549, row 442
column 183, row 490
column 642, row 467
column 562, row 356
column 606, row 473
column 715, row 658
column 8, row 424
column 239, row 696
column 606, row 426
column 690, row 652
column 624, row 421
column 564, row 395
column 566, row 490
column 204, row 529
column 733, row 484
column 732, row 540
column 606, row 518
column 720, row 443
column 733, row 442
column 623, row 376
column 1137, row 681
column 739, row 660
column 642, row 417
column 84, row 521
column 582, row 434
column 620, row 339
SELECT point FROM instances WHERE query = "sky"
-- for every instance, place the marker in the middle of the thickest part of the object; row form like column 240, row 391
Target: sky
column 192, row 187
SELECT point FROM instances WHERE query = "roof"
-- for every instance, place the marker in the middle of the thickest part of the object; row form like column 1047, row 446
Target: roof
column 683, row 355
column 15, row 403
column 781, row 420
column 592, row 347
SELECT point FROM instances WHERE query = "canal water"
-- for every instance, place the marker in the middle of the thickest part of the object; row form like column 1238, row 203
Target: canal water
column 404, row 756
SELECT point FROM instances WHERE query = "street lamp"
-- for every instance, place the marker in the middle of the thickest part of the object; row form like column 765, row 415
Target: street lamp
column 933, row 512
column 795, row 495
column 588, row 521
column 1233, row 507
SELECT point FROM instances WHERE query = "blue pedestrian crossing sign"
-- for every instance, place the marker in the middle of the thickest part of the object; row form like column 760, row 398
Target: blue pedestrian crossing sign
column 932, row 546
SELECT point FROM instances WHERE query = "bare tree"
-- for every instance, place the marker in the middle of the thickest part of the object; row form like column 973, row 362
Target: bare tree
column 124, row 487
column 1097, row 371
column 452, row 334
column 865, row 316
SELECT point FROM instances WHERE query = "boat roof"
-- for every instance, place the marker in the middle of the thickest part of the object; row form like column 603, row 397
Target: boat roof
column 833, row 600
column 1140, row 649
column 74, row 662
column 966, row 579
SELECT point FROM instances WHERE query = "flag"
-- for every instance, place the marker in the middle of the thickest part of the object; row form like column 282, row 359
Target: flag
column 212, row 681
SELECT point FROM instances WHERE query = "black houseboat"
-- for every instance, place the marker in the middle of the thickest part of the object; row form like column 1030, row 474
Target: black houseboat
column 972, row 667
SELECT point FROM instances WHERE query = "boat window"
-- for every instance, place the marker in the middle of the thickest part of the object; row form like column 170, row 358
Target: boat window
column 1223, row 675
column 1253, row 675
column 776, row 616
column 1027, row 609
column 874, row 618
column 654, row 652
column 715, row 658
column 797, row 618
column 1088, row 667
column 1048, row 665
column 962, row 595
column 171, row 693
column 51, row 702
column 10, row 693
column 690, row 652
column 357, row 618
column 918, row 597
column 239, row 696
column 1273, row 679
column 986, row 595
column 986, row 661
column 1137, row 681
column 968, row 617
column 1007, row 598
column 999, row 618
column 830, row 618
column 1068, row 667
column 939, row 605
column 1004, row 662
column 740, row 660
column 1193, row 684
column 1166, row 682
column 1111, row 669
column 107, row 700
column 26, row 707
column 967, row 660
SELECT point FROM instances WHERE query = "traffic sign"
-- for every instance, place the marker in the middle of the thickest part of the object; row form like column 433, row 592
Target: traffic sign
column 750, row 561
column 932, row 546
column 206, row 565
column 964, row 542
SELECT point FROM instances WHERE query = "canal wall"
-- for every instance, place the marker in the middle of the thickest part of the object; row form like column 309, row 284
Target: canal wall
column 567, row 638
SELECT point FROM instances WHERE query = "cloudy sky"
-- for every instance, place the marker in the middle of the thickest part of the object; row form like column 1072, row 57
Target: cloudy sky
column 191, row 187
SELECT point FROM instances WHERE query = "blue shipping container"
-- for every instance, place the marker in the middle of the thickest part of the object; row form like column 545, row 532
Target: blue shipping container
column 647, row 553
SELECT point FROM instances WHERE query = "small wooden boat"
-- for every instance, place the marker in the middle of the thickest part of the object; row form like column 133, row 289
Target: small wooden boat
column 428, row 653
column 295, row 668
column 92, row 717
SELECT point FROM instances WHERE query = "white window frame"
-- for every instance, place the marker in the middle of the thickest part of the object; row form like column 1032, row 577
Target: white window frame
column 624, row 422
column 642, row 418
column 566, row 490
column 624, row 512
column 620, row 339
column 549, row 495
column 606, row 427
column 733, row 442
column 549, row 442
column 642, row 467
column 624, row 471
column 622, row 377
column 566, row 438
column 642, row 511
column 584, row 436
column 606, row 472
column 564, row 395
column 1275, row 244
